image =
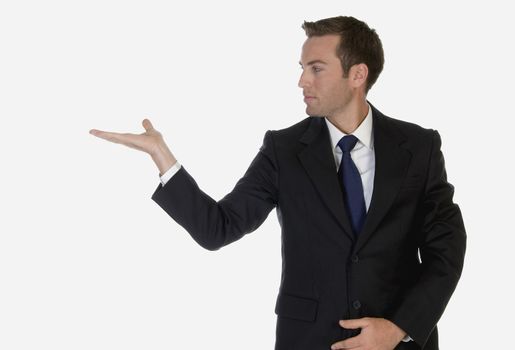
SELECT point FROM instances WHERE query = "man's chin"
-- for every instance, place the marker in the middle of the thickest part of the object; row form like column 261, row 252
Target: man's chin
column 312, row 113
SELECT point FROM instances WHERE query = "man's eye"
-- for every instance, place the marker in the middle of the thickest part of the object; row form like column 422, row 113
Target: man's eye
column 317, row 69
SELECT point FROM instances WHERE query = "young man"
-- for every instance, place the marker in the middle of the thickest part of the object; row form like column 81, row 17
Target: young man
column 372, row 243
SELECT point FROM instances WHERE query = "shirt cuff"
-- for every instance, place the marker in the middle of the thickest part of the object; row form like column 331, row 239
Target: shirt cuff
column 407, row 338
column 169, row 173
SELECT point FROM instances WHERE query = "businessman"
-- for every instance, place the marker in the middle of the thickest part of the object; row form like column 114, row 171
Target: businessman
column 372, row 242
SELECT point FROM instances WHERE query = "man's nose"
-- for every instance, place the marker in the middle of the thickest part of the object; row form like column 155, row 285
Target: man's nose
column 303, row 82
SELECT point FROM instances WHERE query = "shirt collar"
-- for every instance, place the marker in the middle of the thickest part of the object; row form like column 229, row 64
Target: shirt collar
column 363, row 133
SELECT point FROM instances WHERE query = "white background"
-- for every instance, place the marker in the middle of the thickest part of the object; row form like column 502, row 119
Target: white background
column 89, row 261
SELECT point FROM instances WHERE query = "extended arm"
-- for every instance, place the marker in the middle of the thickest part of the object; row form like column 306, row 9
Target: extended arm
column 211, row 223
column 214, row 224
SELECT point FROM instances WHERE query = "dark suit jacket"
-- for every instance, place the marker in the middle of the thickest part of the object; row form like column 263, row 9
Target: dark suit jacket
column 327, row 273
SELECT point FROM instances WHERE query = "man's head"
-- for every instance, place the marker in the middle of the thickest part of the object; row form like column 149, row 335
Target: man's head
column 358, row 44
column 341, row 58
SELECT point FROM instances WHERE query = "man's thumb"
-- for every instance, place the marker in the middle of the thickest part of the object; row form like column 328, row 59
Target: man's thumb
column 147, row 125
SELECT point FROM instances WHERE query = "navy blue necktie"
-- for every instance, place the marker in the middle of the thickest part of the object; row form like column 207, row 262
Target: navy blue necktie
column 352, row 186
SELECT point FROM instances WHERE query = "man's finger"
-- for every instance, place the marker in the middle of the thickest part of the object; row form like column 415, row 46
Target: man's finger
column 111, row 136
column 95, row 132
column 354, row 323
column 350, row 343
column 147, row 125
column 106, row 135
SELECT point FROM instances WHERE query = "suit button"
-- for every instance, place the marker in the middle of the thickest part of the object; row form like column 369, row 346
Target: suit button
column 354, row 259
column 356, row 304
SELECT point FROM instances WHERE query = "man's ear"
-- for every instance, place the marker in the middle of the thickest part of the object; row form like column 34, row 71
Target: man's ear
column 358, row 75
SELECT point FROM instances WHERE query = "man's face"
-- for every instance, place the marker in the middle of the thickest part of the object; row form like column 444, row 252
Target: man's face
column 326, row 92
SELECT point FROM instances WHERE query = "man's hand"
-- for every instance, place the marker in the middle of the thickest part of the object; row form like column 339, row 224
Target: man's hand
column 151, row 142
column 376, row 334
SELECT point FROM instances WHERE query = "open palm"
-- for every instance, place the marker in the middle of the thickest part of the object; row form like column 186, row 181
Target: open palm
column 147, row 142
column 151, row 142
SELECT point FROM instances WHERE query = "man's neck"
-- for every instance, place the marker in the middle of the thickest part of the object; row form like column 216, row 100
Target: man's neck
column 348, row 120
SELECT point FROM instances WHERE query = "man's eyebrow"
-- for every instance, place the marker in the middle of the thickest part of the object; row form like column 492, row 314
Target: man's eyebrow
column 313, row 62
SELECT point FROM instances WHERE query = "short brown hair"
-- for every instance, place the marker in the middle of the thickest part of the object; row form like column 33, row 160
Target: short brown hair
column 358, row 43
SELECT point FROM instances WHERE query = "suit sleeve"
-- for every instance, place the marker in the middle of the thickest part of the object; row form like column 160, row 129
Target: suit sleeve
column 214, row 224
column 442, row 251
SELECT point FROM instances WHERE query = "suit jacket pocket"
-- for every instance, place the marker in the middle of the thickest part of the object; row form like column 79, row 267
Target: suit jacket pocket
column 299, row 308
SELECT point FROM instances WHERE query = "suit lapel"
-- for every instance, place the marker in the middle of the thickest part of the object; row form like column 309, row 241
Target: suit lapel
column 391, row 164
column 318, row 160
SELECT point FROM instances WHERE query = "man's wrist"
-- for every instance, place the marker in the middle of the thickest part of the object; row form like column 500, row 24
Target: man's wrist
column 163, row 158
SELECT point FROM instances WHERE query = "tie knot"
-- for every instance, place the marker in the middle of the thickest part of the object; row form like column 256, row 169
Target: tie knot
column 347, row 143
